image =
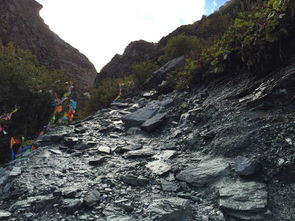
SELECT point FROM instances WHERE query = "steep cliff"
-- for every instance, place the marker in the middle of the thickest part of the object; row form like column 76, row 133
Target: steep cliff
column 21, row 24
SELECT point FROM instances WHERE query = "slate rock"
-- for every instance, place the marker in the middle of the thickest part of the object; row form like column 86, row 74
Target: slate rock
column 39, row 201
column 140, row 153
column 119, row 218
column 15, row 171
column 119, row 105
column 139, row 116
column 71, row 205
column 182, row 215
column 81, row 146
column 92, row 198
column 131, row 147
column 97, row 161
column 154, row 122
column 104, row 149
column 169, row 186
column 245, row 166
column 169, row 66
column 159, row 167
column 4, row 214
column 243, row 200
column 48, row 139
column 57, row 152
column 3, row 176
column 133, row 180
column 205, row 173
column 70, row 141
column 69, row 191
column 167, row 206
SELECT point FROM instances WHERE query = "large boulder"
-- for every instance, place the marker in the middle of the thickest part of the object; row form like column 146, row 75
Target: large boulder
column 244, row 200
column 205, row 173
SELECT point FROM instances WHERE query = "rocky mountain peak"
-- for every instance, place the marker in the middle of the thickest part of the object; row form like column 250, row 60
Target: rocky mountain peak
column 22, row 25
column 135, row 52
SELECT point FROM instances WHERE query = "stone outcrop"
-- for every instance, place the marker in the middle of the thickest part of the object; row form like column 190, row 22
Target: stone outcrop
column 22, row 25
column 135, row 52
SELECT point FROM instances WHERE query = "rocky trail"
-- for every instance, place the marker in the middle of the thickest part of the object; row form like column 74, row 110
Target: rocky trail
column 224, row 152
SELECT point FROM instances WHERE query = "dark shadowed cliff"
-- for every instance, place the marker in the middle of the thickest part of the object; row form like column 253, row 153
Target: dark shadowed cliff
column 21, row 24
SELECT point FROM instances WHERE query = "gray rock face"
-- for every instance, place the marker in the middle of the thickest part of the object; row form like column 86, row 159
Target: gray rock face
column 244, row 200
column 205, row 173
column 245, row 166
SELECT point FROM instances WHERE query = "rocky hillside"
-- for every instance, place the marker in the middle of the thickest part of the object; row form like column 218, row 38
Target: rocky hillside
column 22, row 25
column 222, row 152
column 120, row 65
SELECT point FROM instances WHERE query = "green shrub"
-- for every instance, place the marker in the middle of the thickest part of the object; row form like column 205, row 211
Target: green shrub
column 182, row 45
column 142, row 71
column 30, row 86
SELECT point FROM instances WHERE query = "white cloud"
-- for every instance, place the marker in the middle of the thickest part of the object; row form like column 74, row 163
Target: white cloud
column 214, row 4
column 102, row 28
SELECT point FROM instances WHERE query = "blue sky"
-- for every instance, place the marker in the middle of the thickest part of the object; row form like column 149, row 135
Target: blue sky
column 101, row 28
column 212, row 5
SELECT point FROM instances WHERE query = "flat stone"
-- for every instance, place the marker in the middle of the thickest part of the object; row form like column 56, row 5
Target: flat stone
column 15, row 171
column 119, row 105
column 243, row 200
column 245, row 166
column 104, row 149
column 133, row 180
column 4, row 214
column 181, row 215
column 154, row 122
column 92, row 198
column 58, row 152
column 141, row 115
column 97, row 161
column 131, row 147
column 167, row 206
column 140, row 153
column 119, row 218
column 39, row 201
column 205, row 173
column 159, row 167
